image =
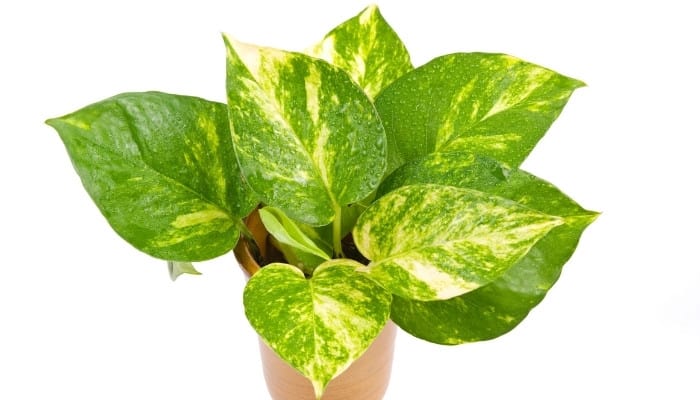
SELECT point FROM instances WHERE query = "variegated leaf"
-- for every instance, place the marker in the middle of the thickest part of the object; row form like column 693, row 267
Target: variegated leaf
column 162, row 170
column 498, row 307
column 368, row 49
column 492, row 104
column 308, row 140
column 298, row 248
column 432, row 242
column 321, row 325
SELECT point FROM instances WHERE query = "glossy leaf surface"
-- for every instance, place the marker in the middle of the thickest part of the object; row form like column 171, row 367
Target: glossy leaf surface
column 431, row 242
column 492, row 104
column 308, row 139
column 161, row 168
column 498, row 307
column 368, row 49
column 320, row 325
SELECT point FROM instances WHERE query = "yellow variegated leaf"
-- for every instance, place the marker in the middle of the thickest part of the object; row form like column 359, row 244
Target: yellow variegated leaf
column 499, row 306
column 320, row 325
column 161, row 168
column 431, row 242
column 492, row 104
column 368, row 49
column 308, row 139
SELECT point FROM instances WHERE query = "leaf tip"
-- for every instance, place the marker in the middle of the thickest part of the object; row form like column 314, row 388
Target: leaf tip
column 592, row 216
column 232, row 44
column 57, row 122
column 319, row 388
column 371, row 9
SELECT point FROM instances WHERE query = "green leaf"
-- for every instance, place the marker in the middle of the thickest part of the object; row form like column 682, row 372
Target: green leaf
column 308, row 140
column 492, row 104
column 349, row 214
column 298, row 245
column 431, row 242
column 286, row 231
column 368, row 49
column 162, row 170
column 498, row 307
column 177, row 268
column 321, row 325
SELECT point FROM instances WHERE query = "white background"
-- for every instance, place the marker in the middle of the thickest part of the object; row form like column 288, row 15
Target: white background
column 85, row 316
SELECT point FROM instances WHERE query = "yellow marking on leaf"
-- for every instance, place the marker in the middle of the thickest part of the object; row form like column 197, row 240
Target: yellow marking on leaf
column 249, row 54
column 490, row 142
column 321, row 152
column 342, row 320
column 301, row 177
column 501, row 243
column 517, row 93
column 448, row 128
column 476, row 104
column 325, row 49
column 366, row 16
column 207, row 124
column 508, row 319
column 198, row 217
column 312, row 84
column 76, row 123
column 444, row 284
column 359, row 73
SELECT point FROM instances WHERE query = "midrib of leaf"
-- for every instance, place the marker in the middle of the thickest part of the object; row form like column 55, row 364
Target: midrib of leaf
column 455, row 105
column 288, row 125
column 142, row 164
column 499, row 107
column 365, row 50
column 433, row 245
column 574, row 219
column 315, row 322
column 319, row 148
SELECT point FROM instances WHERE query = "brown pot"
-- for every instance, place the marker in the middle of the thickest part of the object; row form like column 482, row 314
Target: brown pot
column 366, row 379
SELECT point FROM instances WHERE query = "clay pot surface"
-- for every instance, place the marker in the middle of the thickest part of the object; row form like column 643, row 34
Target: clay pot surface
column 366, row 379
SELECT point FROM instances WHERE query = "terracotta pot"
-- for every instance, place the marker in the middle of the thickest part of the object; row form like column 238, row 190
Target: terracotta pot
column 366, row 379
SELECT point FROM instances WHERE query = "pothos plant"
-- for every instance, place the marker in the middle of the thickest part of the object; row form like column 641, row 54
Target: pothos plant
column 392, row 191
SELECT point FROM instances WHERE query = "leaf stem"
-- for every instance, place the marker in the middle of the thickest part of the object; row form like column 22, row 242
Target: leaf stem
column 337, row 230
column 244, row 230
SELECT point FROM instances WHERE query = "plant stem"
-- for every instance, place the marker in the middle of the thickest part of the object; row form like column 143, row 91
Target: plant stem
column 337, row 228
column 244, row 230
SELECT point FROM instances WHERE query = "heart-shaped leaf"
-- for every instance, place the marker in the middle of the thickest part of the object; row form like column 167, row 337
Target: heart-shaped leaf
column 498, row 307
column 298, row 248
column 368, row 49
column 320, row 325
column 432, row 242
column 492, row 104
column 161, row 168
column 308, row 139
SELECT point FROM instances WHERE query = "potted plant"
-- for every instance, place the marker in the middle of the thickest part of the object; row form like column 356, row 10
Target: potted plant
column 388, row 192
